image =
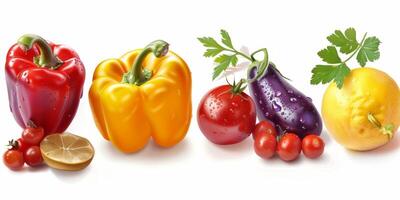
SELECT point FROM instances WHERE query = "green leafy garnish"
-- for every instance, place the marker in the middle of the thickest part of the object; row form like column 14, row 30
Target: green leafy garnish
column 326, row 73
column 330, row 55
column 347, row 42
column 225, row 54
column 336, row 69
column 369, row 51
column 224, row 61
column 213, row 47
column 226, row 39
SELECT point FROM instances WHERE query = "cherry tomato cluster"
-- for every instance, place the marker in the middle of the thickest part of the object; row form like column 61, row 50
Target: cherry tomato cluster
column 288, row 146
column 25, row 149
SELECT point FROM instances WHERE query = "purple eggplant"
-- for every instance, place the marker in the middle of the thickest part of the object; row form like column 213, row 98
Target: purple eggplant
column 279, row 102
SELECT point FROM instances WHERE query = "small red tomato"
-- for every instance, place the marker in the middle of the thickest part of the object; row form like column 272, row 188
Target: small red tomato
column 13, row 159
column 313, row 146
column 33, row 156
column 18, row 145
column 289, row 147
column 33, row 135
column 22, row 146
column 264, row 127
column 265, row 145
column 226, row 116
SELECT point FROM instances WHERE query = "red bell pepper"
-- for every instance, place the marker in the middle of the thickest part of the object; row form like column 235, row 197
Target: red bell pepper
column 44, row 82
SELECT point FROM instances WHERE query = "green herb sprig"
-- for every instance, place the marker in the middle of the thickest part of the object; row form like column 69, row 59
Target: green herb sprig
column 336, row 69
column 225, row 54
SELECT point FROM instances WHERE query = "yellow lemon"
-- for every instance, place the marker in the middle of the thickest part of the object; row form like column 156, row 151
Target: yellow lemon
column 365, row 113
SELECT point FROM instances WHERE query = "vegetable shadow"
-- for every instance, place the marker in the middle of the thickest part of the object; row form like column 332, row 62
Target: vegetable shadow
column 390, row 147
column 71, row 176
column 150, row 153
column 232, row 150
column 37, row 169
column 326, row 137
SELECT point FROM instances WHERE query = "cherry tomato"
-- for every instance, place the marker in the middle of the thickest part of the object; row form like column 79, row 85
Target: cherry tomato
column 33, row 156
column 33, row 135
column 225, row 117
column 18, row 145
column 22, row 145
column 264, row 127
column 13, row 159
column 265, row 145
column 313, row 146
column 289, row 147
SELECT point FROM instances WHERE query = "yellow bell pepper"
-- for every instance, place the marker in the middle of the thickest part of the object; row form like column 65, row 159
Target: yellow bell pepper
column 144, row 94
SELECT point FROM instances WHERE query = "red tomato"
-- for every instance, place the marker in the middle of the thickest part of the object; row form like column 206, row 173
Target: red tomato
column 13, row 159
column 33, row 156
column 225, row 117
column 289, row 147
column 264, row 127
column 33, row 135
column 265, row 145
column 313, row 146
column 18, row 145
column 22, row 146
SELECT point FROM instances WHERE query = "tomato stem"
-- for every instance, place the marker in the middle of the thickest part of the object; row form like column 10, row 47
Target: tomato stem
column 31, row 124
column 12, row 144
column 237, row 88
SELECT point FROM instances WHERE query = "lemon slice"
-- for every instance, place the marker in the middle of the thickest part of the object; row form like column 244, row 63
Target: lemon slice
column 66, row 151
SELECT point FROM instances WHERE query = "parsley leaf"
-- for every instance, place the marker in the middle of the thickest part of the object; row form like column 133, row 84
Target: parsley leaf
column 337, row 69
column 223, row 63
column 323, row 74
column 369, row 51
column 213, row 47
column 329, row 55
column 341, row 72
column 326, row 73
column 347, row 42
column 224, row 57
column 226, row 39
column 219, row 52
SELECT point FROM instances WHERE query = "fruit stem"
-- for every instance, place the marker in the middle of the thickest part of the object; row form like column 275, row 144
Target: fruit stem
column 136, row 75
column 237, row 88
column 47, row 57
column 386, row 130
column 31, row 124
column 12, row 144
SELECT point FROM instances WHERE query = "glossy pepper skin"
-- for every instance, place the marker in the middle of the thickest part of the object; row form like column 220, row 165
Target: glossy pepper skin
column 44, row 82
column 144, row 94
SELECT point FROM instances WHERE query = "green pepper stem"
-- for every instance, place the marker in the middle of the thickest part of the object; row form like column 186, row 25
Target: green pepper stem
column 136, row 75
column 47, row 58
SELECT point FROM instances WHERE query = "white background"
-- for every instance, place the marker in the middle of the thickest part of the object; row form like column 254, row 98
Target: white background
column 293, row 31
